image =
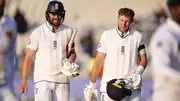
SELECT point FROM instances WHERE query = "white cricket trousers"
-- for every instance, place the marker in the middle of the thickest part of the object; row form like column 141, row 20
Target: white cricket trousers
column 51, row 91
column 135, row 96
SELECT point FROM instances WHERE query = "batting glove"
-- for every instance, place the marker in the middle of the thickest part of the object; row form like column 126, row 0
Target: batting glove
column 90, row 92
column 70, row 69
column 136, row 78
column 136, row 81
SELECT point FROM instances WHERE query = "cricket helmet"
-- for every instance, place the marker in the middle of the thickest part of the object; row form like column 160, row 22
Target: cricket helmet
column 57, row 8
column 117, row 89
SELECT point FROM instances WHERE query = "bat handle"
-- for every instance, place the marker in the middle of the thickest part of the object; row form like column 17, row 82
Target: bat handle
column 71, row 45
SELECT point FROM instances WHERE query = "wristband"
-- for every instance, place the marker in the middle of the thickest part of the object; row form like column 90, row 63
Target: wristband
column 140, row 69
column 92, row 85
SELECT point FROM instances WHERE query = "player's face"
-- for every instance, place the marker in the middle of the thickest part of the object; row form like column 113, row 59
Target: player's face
column 55, row 19
column 123, row 23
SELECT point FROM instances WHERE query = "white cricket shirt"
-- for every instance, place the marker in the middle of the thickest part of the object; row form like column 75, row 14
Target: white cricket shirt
column 121, row 54
column 51, row 51
column 165, row 61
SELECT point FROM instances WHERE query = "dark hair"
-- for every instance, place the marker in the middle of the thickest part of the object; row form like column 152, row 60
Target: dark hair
column 127, row 12
column 173, row 2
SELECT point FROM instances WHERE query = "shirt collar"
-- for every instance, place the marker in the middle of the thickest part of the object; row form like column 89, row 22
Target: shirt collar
column 123, row 35
column 174, row 26
column 50, row 27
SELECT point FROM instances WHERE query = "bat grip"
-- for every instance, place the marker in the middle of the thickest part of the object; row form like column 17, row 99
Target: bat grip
column 70, row 49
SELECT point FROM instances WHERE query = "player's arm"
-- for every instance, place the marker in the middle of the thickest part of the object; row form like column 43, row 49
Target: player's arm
column 98, row 65
column 143, row 60
column 136, row 77
column 142, row 57
column 99, row 60
column 32, row 47
column 90, row 91
column 142, row 64
column 27, row 64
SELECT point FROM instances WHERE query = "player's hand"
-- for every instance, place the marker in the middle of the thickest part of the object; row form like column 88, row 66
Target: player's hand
column 23, row 88
column 136, row 81
column 70, row 69
column 90, row 92
column 136, row 78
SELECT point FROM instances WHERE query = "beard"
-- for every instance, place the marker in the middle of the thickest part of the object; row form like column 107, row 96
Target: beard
column 55, row 22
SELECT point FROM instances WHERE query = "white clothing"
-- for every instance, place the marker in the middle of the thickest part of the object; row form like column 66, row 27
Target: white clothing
column 44, row 91
column 121, row 54
column 51, row 51
column 165, row 53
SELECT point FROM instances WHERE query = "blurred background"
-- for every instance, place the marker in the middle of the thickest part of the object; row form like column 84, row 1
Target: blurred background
column 91, row 17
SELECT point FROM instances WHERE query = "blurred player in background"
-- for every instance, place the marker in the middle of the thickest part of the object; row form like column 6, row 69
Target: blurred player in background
column 22, row 37
column 121, row 51
column 48, row 44
column 8, row 34
column 165, row 52
column 21, row 42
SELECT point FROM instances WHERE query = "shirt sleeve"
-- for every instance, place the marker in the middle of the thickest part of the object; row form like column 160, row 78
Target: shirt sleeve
column 33, row 41
column 102, row 44
column 141, row 48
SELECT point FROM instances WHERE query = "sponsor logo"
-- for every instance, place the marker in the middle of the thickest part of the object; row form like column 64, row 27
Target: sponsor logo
column 29, row 41
column 99, row 45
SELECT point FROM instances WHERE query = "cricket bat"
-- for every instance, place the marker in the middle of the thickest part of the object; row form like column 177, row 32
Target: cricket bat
column 70, row 46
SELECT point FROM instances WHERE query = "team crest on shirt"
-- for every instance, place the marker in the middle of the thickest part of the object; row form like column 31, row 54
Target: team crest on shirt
column 122, row 50
column 29, row 41
column 99, row 45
